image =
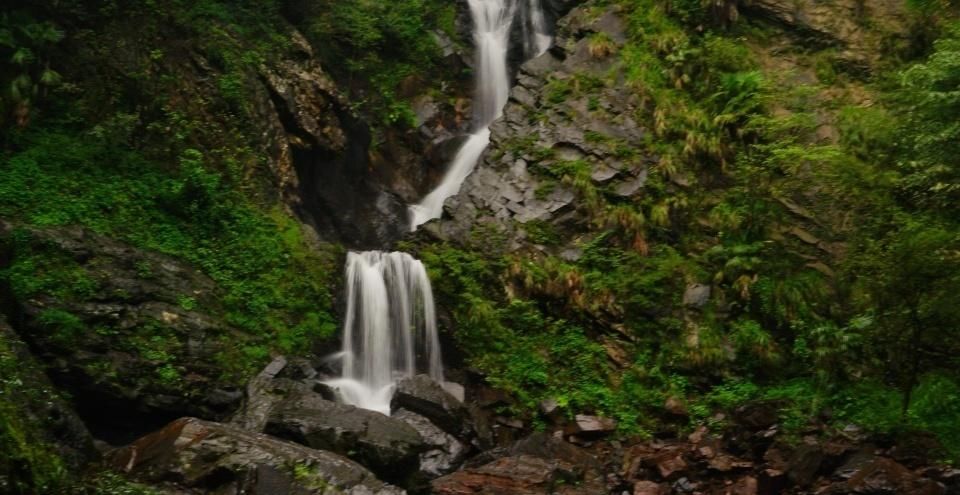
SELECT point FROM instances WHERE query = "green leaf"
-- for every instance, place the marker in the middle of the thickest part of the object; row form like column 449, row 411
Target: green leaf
column 22, row 56
column 50, row 78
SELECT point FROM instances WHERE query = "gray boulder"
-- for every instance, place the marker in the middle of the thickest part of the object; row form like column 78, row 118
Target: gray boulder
column 445, row 453
column 191, row 456
column 387, row 446
column 422, row 395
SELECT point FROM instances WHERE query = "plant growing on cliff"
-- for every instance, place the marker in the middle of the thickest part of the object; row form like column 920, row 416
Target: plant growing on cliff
column 25, row 71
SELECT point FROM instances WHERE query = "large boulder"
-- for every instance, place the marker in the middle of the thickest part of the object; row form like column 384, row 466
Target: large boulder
column 422, row 395
column 387, row 446
column 287, row 400
column 190, row 456
column 133, row 335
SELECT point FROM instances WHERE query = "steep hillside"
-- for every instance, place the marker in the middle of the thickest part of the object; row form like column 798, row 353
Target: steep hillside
column 686, row 208
column 713, row 246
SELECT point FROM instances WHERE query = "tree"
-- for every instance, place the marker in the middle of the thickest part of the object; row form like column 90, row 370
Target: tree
column 911, row 279
column 929, row 101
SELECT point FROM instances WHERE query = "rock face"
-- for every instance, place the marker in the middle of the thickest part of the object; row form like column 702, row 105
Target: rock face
column 838, row 24
column 39, row 407
column 320, row 154
column 547, row 126
column 190, row 456
column 129, row 306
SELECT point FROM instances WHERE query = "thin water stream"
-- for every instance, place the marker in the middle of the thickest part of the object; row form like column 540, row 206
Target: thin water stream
column 493, row 21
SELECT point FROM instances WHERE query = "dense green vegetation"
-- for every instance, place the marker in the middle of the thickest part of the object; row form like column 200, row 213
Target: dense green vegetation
column 275, row 286
column 845, row 302
column 834, row 261
column 380, row 48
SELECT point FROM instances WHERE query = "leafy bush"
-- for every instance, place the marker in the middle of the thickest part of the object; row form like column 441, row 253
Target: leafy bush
column 275, row 285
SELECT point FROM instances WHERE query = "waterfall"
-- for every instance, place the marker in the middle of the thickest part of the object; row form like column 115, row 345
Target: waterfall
column 492, row 21
column 390, row 330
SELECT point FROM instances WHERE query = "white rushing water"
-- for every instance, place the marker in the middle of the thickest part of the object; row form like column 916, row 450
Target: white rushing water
column 390, row 330
column 539, row 39
column 492, row 21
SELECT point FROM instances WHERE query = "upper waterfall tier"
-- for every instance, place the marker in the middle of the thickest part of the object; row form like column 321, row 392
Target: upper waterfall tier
column 492, row 24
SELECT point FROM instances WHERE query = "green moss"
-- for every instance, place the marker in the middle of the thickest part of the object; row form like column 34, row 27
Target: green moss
column 29, row 464
column 275, row 285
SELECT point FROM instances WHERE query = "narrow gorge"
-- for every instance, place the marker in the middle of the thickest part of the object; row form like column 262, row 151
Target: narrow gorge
column 479, row 247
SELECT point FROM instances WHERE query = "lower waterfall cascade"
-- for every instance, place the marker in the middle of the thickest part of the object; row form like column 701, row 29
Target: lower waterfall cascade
column 390, row 330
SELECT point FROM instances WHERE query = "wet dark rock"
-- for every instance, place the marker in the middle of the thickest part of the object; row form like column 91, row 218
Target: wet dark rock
column 387, row 446
column 263, row 392
column 302, row 411
column 444, row 452
column 191, row 456
column 422, row 395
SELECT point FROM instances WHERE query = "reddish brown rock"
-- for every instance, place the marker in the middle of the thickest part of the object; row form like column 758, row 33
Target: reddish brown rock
column 725, row 463
column 745, row 486
column 670, row 463
column 649, row 488
column 516, row 475
column 888, row 476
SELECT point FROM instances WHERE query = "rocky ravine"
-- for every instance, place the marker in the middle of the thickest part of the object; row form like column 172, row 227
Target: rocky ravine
column 434, row 444
column 289, row 436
